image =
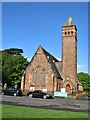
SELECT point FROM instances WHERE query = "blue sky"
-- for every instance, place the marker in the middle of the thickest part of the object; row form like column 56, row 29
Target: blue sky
column 28, row 25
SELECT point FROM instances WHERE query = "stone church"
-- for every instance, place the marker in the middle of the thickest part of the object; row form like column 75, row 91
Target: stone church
column 45, row 72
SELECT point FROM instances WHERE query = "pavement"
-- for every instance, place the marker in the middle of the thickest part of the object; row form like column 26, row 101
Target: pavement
column 57, row 104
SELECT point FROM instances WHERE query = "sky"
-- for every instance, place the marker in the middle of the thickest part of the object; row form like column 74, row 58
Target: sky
column 26, row 25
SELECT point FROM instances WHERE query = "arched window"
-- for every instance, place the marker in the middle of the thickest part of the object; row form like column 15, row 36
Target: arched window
column 38, row 75
column 78, row 86
column 71, row 32
column 65, row 33
column 24, row 79
column 32, row 88
column 43, row 77
column 68, row 33
column 33, row 76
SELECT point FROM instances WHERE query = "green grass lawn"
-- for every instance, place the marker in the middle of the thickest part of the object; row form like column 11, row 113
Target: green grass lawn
column 12, row 111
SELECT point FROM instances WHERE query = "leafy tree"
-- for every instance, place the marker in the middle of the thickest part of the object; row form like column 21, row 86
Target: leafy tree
column 84, row 78
column 13, row 66
column 14, row 51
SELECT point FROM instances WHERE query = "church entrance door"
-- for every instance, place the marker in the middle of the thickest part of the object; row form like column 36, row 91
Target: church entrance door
column 68, row 89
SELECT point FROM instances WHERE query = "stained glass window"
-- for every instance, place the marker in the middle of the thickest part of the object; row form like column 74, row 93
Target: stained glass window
column 44, row 77
column 33, row 76
column 38, row 75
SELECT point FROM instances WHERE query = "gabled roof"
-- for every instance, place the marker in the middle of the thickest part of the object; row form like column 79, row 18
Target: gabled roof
column 69, row 22
column 48, row 54
column 51, row 59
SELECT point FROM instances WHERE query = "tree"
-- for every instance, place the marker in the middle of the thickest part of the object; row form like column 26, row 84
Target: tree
column 84, row 78
column 14, row 51
column 13, row 66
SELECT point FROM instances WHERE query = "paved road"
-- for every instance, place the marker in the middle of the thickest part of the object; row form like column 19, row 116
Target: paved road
column 61, row 103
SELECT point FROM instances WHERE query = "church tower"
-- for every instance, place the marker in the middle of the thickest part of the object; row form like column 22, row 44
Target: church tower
column 69, row 56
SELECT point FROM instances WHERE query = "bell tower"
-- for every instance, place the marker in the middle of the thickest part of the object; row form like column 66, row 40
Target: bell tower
column 69, row 56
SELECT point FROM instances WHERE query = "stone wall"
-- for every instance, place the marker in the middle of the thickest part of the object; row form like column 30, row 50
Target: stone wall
column 39, row 60
column 69, row 56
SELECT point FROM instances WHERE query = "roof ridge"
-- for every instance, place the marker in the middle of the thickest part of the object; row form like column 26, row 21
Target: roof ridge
column 52, row 63
column 46, row 52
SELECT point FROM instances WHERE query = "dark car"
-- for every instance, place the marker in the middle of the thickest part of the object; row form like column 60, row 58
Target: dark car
column 12, row 91
column 39, row 94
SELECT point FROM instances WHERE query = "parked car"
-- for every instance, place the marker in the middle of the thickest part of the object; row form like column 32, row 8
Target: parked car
column 39, row 94
column 12, row 91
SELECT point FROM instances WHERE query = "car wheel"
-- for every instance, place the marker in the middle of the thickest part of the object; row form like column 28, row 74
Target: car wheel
column 30, row 95
column 15, row 94
column 44, row 96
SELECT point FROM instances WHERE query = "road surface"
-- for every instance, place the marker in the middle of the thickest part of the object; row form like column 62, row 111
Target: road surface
column 56, row 103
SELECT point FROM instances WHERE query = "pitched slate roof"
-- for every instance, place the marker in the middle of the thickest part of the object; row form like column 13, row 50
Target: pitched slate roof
column 52, row 60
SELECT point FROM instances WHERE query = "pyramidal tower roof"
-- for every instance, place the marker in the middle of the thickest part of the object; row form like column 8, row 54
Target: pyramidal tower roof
column 69, row 22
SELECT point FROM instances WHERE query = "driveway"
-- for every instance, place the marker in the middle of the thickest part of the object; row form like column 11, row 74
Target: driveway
column 57, row 103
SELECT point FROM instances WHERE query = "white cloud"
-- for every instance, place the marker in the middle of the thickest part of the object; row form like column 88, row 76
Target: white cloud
column 82, row 68
column 28, row 58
